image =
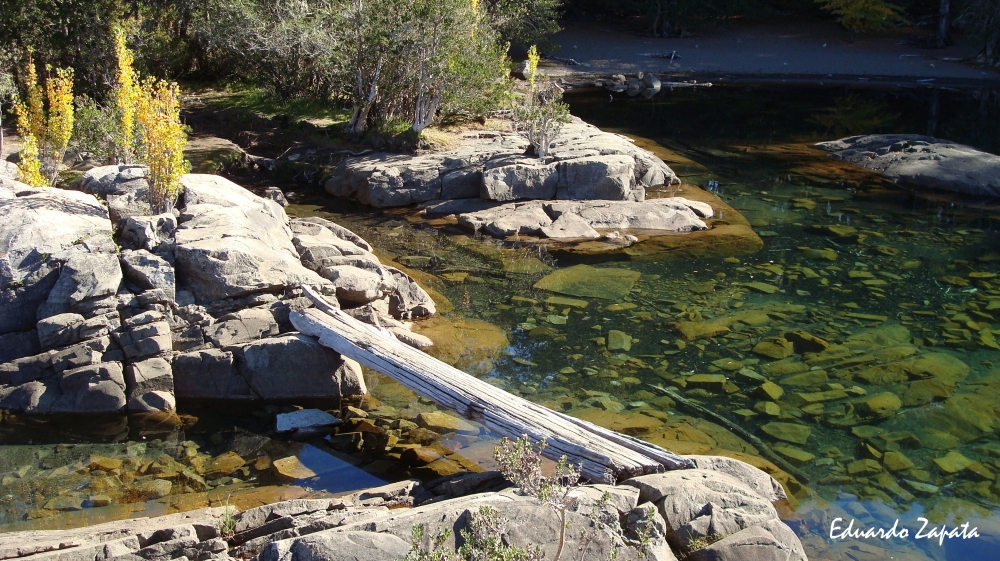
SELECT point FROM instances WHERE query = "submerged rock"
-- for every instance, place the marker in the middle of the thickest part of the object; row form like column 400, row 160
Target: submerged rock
column 591, row 282
column 923, row 162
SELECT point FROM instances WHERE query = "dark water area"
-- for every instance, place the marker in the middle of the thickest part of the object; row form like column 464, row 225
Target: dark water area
column 860, row 344
column 765, row 113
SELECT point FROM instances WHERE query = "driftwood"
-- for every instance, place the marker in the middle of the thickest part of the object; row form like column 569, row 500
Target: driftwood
column 597, row 450
column 762, row 447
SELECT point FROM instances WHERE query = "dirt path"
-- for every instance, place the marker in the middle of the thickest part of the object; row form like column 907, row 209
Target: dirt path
column 778, row 48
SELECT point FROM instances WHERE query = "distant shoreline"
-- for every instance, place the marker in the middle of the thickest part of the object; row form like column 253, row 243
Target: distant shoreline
column 792, row 50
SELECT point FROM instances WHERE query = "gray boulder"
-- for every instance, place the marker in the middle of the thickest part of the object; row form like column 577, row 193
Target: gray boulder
column 243, row 326
column 148, row 271
column 19, row 345
column 125, row 188
column 145, row 335
column 97, row 388
column 508, row 220
column 569, row 225
column 770, row 541
column 232, row 243
column 11, row 189
column 344, row 546
column 275, row 194
column 150, row 386
column 68, row 329
column 209, row 374
column 528, row 523
column 666, row 215
column 529, row 179
column 492, row 165
column 645, row 519
column 697, row 504
column 86, row 283
column 309, row 225
column 296, row 366
column 9, row 170
column 610, row 177
column 149, row 232
column 40, row 232
column 34, row 397
column 408, row 300
column 356, row 285
column 922, row 162
column 762, row 483
column 80, row 354
column 582, row 219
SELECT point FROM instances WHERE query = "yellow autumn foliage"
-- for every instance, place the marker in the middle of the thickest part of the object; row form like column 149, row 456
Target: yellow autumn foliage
column 126, row 97
column 31, row 114
column 46, row 134
column 162, row 140
column 59, row 127
column 533, row 58
column 29, row 164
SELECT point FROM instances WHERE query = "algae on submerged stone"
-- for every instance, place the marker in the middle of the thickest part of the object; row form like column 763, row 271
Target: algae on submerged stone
column 590, row 282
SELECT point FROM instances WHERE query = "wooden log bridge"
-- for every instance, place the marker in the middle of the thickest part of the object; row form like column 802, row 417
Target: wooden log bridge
column 598, row 451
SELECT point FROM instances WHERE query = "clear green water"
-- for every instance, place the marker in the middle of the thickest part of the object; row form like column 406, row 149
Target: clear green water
column 922, row 263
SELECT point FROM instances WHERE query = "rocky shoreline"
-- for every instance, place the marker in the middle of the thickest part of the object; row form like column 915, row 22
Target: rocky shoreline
column 722, row 510
column 108, row 308
column 193, row 304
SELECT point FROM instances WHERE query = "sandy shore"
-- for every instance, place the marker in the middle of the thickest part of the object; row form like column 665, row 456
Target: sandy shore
column 778, row 48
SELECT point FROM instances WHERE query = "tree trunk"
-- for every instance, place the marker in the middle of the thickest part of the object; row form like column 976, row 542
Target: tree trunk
column 944, row 24
column 935, row 110
column 359, row 114
column 596, row 449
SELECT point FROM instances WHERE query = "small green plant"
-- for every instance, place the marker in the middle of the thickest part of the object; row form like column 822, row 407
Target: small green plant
column 701, row 542
column 483, row 542
column 520, row 462
column 227, row 525
column 541, row 115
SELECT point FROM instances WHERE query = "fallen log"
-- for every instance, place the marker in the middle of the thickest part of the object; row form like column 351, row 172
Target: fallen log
column 597, row 450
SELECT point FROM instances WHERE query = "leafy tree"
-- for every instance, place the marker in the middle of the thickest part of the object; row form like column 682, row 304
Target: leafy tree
column 8, row 89
column 983, row 17
column 862, row 16
column 66, row 34
column 455, row 60
column 524, row 22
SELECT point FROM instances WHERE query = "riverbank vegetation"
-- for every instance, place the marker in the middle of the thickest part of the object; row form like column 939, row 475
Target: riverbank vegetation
column 391, row 64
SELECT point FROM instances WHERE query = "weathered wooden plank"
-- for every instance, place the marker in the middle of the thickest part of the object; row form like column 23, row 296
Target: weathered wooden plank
column 596, row 449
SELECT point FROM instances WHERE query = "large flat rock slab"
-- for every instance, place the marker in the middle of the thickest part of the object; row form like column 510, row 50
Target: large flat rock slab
column 581, row 219
column 232, row 243
column 923, row 162
column 586, row 163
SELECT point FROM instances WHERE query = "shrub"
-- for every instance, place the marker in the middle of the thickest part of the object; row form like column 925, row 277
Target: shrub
column 862, row 16
column 46, row 132
column 162, row 140
column 142, row 125
column 541, row 115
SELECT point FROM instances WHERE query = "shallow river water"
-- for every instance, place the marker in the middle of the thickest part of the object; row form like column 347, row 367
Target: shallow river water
column 860, row 345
